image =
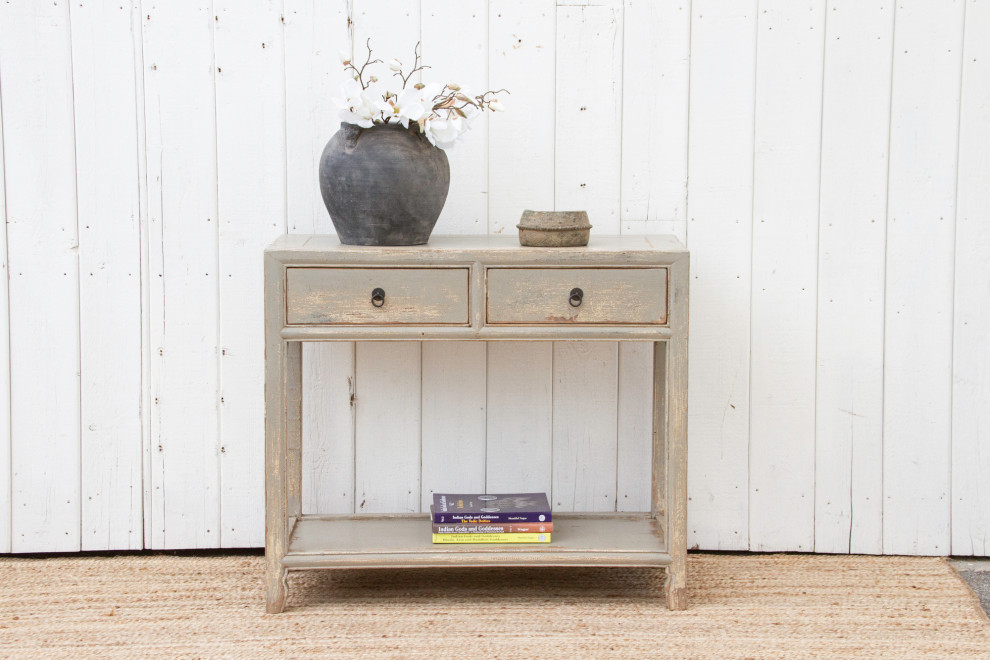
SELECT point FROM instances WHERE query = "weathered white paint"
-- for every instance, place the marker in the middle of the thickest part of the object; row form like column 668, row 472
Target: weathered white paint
column 784, row 293
column 656, row 43
column 888, row 336
column 387, row 400
column 719, row 233
column 42, row 241
column 4, row 362
column 521, row 144
column 634, row 427
column 251, row 211
column 454, row 418
column 921, row 211
column 519, row 445
column 971, row 349
column 585, row 425
column 183, row 259
column 851, row 235
column 105, row 110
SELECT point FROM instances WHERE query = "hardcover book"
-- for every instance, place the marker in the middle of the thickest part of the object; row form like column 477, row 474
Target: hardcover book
column 491, row 538
column 487, row 508
column 493, row 528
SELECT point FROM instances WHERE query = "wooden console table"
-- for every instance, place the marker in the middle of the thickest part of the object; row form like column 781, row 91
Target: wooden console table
column 477, row 288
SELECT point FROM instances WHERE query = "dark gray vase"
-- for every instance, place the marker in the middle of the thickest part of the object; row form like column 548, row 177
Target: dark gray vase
column 383, row 185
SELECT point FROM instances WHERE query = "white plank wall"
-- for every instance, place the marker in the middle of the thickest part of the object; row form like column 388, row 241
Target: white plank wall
column 251, row 211
column 180, row 107
column 105, row 102
column 4, row 363
column 851, row 235
column 971, row 350
column 42, row 244
column 787, row 134
column 719, row 235
column 921, row 212
column 825, row 161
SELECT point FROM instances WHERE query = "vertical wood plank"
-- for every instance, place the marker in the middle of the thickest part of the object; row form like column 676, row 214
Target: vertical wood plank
column 455, row 46
column 585, row 423
column 4, row 358
column 184, row 306
column 103, row 69
column 42, row 242
column 522, row 60
column 454, row 418
column 656, row 45
column 388, row 402
column 853, row 210
column 250, row 107
column 920, row 243
column 971, row 353
column 589, row 113
column 785, row 259
column 720, row 179
column 314, row 33
column 635, row 426
column 328, row 428
column 520, row 422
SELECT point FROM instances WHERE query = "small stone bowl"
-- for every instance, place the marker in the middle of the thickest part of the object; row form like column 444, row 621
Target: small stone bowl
column 554, row 228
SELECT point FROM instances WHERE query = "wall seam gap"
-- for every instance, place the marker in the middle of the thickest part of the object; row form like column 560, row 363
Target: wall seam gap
column 75, row 182
column 818, row 273
column 144, row 306
column 955, row 258
column 6, row 284
column 687, row 141
column 219, row 321
column 886, row 244
column 752, row 225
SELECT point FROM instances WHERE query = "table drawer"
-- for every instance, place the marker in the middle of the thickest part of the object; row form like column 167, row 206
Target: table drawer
column 415, row 296
column 607, row 295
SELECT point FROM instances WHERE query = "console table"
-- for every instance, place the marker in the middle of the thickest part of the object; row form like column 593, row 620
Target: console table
column 476, row 288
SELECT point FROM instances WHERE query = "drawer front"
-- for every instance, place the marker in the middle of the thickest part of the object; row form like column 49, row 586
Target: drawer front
column 609, row 295
column 412, row 296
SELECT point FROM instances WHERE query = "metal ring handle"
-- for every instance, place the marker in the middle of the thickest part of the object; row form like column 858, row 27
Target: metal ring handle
column 577, row 295
column 378, row 297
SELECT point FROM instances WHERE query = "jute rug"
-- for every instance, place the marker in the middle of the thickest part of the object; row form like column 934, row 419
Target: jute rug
column 765, row 606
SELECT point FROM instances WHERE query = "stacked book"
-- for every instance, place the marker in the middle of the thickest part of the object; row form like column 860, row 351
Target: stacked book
column 484, row 518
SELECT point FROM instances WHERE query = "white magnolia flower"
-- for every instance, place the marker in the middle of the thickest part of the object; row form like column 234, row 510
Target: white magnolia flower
column 404, row 108
column 443, row 133
column 496, row 105
column 395, row 65
column 345, row 58
column 356, row 106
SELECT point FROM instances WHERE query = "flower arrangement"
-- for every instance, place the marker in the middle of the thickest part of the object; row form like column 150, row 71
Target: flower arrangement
column 443, row 113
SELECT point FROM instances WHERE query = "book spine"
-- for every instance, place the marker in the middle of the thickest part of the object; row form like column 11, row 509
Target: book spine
column 491, row 518
column 498, row 528
column 491, row 538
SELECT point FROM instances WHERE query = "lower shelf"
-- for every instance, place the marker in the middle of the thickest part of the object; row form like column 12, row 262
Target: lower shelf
column 579, row 539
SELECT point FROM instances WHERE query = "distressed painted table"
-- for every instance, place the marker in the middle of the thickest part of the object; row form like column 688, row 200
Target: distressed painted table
column 474, row 288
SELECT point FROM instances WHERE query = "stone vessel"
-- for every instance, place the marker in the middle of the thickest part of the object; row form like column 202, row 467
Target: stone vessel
column 383, row 185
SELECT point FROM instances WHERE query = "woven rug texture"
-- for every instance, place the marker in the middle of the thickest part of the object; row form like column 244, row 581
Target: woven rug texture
column 740, row 606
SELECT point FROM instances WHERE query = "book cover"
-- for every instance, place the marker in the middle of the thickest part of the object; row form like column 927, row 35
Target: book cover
column 490, row 508
column 491, row 538
column 493, row 528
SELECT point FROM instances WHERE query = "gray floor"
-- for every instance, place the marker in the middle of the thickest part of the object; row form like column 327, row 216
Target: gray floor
column 976, row 573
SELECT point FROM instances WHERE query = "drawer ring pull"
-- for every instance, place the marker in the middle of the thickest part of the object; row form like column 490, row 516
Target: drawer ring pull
column 378, row 297
column 577, row 295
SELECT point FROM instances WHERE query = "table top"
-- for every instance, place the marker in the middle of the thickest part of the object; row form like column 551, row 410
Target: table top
column 303, row 248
